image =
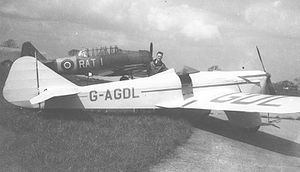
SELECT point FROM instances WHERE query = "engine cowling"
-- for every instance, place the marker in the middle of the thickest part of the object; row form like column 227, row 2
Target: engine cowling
column 249, row 121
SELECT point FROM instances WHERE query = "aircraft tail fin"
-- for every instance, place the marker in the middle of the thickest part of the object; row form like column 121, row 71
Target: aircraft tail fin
column 29, row 50
column 30, row 82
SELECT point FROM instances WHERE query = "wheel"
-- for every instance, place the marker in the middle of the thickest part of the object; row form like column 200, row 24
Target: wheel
column 252, row 130
column 195, row 116
column 124, row 78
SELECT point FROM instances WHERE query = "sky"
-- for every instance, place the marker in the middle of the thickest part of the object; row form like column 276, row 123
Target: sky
column 195, row 33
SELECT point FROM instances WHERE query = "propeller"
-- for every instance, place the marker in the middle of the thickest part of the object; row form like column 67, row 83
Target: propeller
column 151, row 50
column 262, row 63
column 269, row 88
column 150, row 58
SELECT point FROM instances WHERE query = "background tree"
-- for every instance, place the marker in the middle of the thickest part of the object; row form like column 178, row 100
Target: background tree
column 10, row 43
column 285, row 85
column 297, row 81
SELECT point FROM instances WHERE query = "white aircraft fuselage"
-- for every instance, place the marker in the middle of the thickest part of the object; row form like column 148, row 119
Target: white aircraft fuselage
column 148, row 93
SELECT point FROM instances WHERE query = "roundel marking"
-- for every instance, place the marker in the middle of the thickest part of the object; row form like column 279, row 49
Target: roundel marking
column 67, row 64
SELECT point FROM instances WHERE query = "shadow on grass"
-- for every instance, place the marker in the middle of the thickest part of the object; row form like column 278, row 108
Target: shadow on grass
column 224, row 128
column 280, row 118
column 258, row 139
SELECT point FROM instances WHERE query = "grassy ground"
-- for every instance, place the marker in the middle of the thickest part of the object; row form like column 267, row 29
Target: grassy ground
column 86, row 141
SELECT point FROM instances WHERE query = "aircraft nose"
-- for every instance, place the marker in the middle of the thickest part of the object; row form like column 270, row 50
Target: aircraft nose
column 145, row 56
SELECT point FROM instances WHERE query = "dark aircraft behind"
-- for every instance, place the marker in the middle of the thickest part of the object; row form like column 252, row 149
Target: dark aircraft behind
column 103, row 61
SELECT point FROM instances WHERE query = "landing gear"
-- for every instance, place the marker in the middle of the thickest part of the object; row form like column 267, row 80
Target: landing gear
column 195, row 115
column 123, row 78
column 247, row 121
column 252, row 130
column 126, row 77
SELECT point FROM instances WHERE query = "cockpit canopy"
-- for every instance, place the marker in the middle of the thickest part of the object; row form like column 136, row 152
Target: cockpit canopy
column 99, row 51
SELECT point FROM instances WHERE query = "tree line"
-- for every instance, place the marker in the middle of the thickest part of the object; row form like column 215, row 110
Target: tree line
column 10, row 43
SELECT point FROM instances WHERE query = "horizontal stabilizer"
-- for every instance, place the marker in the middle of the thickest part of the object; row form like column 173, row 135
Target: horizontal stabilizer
column 49, row 93
column 29, row 81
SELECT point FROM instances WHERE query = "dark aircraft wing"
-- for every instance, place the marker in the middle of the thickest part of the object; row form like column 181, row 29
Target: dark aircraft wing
column 139, row 70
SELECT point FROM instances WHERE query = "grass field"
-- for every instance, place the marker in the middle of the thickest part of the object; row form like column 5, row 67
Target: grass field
column 86, row 141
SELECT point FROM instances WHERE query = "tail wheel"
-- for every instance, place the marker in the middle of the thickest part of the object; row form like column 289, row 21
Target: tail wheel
column 123, row 78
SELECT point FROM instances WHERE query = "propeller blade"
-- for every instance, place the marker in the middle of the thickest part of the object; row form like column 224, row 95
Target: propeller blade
column 262, row 64
column 269, row 88
column 151, row 58
column 151, row 50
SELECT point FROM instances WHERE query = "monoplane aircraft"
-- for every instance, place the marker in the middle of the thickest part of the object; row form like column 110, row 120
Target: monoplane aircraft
column 31, row 84
column 103, row 61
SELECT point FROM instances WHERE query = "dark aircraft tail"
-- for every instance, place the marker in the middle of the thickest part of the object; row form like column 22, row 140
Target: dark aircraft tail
column 29, row 50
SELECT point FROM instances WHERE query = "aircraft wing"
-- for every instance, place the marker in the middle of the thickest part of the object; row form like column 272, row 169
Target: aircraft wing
column 138, row 70
column 106, row 72
column 127, row 70
column 237, row 101
column 134, row 67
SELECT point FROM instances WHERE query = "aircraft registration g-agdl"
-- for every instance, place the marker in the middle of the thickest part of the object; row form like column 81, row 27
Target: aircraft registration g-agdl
column 240, row 94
